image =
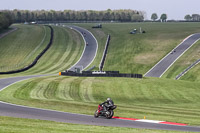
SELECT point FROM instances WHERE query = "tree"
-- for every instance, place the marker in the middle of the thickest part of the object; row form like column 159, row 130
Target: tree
column 5, row 20
column 195, row 17
column 19, row 16
column 188, row 17
column 72, row 15
column 154, row 16
column 163, row 17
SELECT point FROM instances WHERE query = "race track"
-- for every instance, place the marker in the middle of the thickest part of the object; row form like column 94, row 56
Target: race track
column 90, row 49
column 12, row 110
column 163, row 65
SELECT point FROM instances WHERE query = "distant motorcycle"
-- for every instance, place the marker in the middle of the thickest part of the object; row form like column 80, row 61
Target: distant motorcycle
column 108, row 113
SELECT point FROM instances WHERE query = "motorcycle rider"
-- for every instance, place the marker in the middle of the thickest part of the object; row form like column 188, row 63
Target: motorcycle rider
column 109, row 102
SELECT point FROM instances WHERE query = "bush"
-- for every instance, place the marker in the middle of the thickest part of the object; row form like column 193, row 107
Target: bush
column 5, row 20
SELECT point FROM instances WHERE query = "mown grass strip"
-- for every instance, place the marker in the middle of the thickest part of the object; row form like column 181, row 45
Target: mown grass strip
column 65, row 51
column 25, row 39
column 8, row 125
column 157, row 99
column 138, row 53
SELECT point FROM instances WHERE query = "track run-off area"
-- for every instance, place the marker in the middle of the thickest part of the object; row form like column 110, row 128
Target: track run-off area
column 8, row 109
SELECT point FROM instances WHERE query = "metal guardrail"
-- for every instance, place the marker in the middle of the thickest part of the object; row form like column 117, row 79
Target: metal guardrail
column 101, row 65
column 187, row 69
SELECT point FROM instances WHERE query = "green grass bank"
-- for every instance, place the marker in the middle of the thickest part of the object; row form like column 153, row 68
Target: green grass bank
column 9, row 125
column 157, row 99
column 138, row 53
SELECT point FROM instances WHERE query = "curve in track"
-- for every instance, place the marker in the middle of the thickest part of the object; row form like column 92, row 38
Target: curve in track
column 90, row 50
column 7, row 109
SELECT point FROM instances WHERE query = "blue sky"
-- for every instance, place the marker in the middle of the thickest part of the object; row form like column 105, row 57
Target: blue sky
column 175, row 9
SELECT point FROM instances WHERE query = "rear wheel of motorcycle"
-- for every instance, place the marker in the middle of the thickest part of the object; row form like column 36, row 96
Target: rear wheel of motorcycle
column 110, row 115
column 96, row 114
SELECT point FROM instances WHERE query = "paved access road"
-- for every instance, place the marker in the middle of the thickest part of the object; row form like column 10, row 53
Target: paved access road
column 163, row 65
column 12, row 110
column 90, row 49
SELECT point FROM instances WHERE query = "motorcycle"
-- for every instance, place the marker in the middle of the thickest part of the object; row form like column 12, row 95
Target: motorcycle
column 108, row 113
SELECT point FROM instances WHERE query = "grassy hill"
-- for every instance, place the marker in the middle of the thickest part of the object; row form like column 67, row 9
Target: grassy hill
column 138, row 53
column 127, row 53
column 19, row 48
column 156, row 98
column 192, row 55
column 66, row 49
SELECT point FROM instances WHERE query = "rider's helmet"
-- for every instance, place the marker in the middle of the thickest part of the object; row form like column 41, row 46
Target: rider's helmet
column 108, row 99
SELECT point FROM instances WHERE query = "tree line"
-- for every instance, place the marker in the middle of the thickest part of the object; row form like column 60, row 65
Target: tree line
column 20, row 16
column 193, row 17
column 5, row 20
column 188, row 17
column 163, row 17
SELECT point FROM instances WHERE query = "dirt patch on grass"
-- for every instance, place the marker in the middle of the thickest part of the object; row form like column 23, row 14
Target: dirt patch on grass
column 147, row 58
column 99, row 33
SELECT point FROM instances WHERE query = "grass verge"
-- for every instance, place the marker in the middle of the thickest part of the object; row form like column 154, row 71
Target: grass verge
column 9, row 125
column 157, row 99
column 65, row 51
column 18, row 49
column 138, row 53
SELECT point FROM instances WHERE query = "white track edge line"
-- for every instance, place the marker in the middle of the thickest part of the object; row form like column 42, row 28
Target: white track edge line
column 167, row 55
column 41, row 108
column 34, row 107
column 96, row 47
column 35, row 76
column 83, row 50
column 85, row 47
column 179, row 57
column 149, row 121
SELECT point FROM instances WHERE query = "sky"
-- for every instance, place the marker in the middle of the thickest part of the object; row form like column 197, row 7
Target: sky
column 175, row 9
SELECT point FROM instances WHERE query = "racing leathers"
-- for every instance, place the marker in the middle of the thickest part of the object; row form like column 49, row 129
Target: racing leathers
column 107, row 104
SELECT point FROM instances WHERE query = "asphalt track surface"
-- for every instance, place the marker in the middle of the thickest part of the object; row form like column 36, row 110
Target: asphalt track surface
column 12, row 110
column 90, row 49
column 163, row 65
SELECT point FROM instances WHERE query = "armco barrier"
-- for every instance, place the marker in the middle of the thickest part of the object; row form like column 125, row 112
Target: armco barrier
column 104, row 54
column 187, row 69
column 36, row 59
column 107, row 74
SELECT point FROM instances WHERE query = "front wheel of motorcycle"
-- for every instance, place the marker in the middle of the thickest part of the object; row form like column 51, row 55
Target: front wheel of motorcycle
column 110, row 114
column 96, row 114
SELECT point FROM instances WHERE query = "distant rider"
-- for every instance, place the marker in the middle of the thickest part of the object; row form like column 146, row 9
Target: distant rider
column 107, row 104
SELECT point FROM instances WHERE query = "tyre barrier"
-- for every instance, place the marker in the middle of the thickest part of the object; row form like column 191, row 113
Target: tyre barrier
column 100, row 74
column 104, row 54
column 36, row 59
